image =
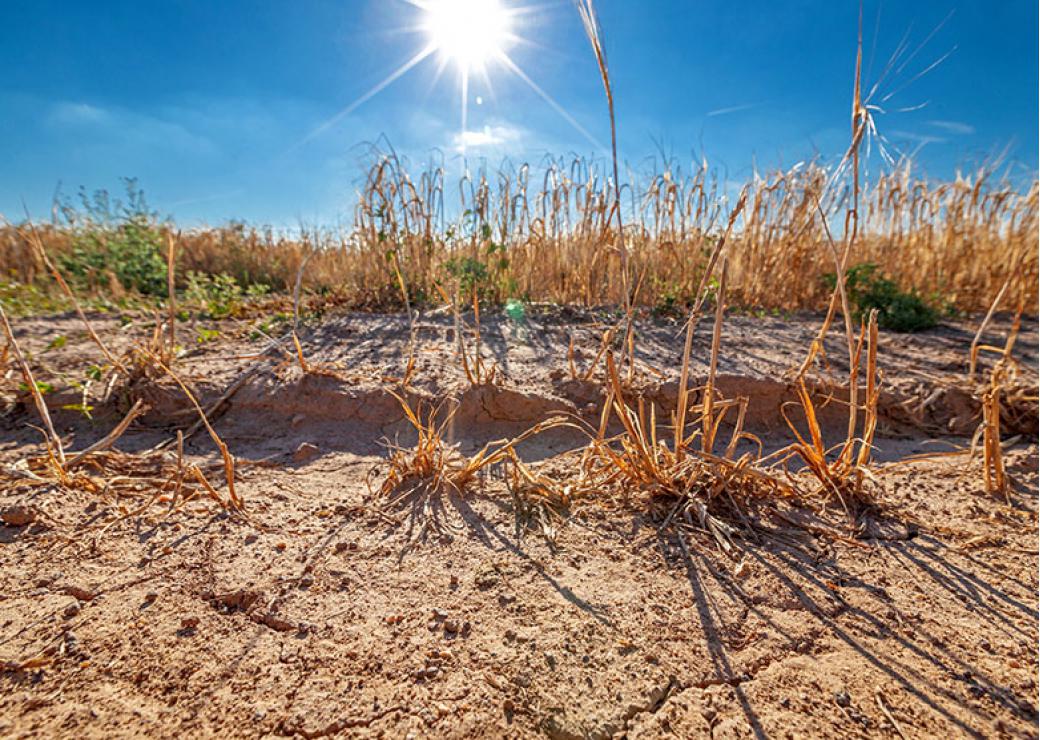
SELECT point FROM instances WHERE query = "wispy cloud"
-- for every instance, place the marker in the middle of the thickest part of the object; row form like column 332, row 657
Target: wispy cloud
column 206, row 198
column 76, row 114
column 918, row 138
column 129, row 127
column 731, row 109
column 501, row 136
column 954, row 127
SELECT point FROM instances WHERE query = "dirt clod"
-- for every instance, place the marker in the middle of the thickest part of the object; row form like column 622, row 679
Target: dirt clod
column 78, row 591
column 18, row 515
column 306, row 451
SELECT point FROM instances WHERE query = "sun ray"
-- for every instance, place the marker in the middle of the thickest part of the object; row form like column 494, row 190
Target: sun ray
column 378, row 88
column 465, row 107
column 515, row 69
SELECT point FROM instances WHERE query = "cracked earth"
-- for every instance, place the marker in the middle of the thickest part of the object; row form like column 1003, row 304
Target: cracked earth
column 318, row 615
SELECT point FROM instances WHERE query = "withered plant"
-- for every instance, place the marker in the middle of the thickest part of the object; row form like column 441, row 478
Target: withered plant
column 419, row 476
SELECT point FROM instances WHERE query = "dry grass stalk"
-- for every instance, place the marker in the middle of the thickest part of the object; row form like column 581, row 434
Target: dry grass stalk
column 976, row 346
column 992, row 455
column 844, row 478
column 413, row 332
column 53, row 440
column 234, row 501
column 1001, row 377
column 691, row 323
column 539, row 502
column 477, row 373
column 860, row 124
column 590, row 21
column 708, row 412
column 605, row 341
column 171, row 294
column 112, row 437
column 297, row 287
column 150, row 477
column 216, row 406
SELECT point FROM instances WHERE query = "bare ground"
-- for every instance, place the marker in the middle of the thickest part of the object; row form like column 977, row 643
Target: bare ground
column 321, row 612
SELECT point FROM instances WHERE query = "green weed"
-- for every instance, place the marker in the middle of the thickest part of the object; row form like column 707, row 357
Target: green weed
column 219, row 296
column 897, row 310
column 114, row 239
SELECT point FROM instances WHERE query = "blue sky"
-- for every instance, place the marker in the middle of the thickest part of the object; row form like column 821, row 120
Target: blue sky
column 212, row 104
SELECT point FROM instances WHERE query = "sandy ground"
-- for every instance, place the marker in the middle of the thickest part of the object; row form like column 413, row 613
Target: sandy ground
column 319, row 613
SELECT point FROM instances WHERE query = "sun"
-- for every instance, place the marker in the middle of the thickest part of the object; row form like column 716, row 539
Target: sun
column 474, row 36
column 469, row 32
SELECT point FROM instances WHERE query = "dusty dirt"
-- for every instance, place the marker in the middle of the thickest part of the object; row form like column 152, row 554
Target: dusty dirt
column 318, row 613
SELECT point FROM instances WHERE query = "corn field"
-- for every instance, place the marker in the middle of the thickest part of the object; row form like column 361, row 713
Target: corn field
column 548, row 234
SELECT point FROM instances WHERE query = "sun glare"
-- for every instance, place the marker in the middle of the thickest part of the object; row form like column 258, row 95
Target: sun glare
column 473, row 36
column 469, row 32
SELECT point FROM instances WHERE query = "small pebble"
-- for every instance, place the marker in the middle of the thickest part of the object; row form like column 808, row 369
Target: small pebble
column 306, row 451
column 18, row 515
column 83, row 594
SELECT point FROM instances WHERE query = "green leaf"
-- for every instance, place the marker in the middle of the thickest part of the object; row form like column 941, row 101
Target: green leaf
column 43, row 388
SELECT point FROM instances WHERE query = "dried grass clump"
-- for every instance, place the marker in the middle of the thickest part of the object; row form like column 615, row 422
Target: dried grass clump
column 435, row 467
column 540, row 503
column 688, row 484
column 142, row 364
column 132, row 484
column 847, row 476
